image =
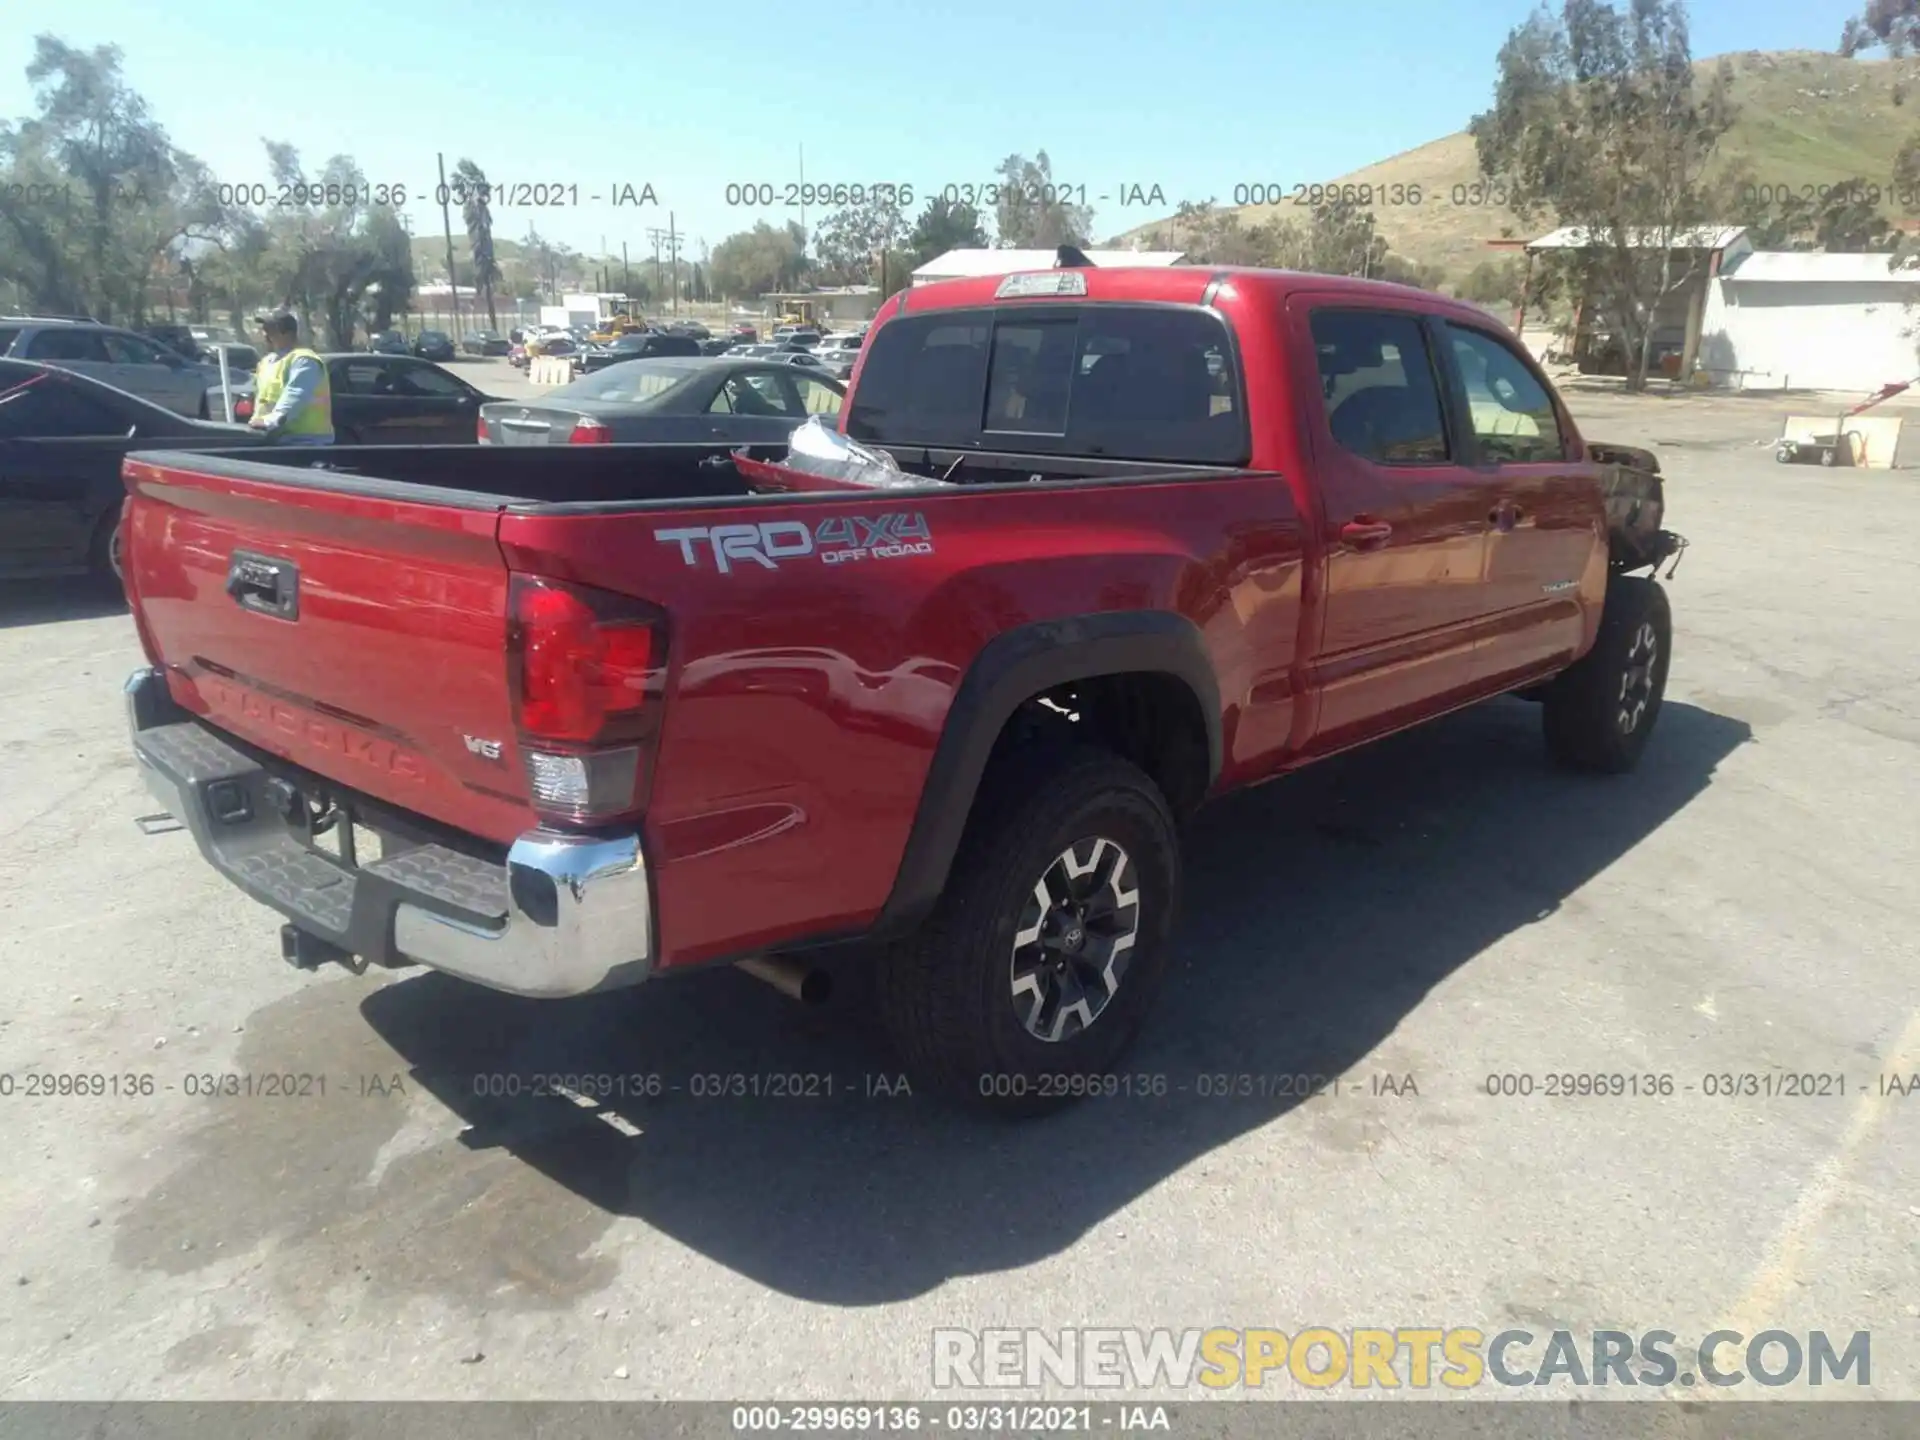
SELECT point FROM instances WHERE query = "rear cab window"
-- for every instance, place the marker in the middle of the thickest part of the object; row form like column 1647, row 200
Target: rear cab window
column 1118, row 380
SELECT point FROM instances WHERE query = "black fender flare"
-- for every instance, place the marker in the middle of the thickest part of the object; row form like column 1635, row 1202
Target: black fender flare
column 1011, row 669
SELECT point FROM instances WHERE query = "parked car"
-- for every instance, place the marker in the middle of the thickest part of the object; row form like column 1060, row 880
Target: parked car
column 63, row 437
column 746, row 333
column 666, row 713
column 778, row 354
column 637, row 346
column 838, row 363
column 241, row 359
column 485, row 342
column 392, row 400
column 114, row 357
column 796, row 335
column 433, row 345
column 678, row 399
column 840, row 342
column 389, row 342
column 720, row 345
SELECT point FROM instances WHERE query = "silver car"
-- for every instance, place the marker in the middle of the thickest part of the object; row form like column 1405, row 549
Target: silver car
column 114, row 357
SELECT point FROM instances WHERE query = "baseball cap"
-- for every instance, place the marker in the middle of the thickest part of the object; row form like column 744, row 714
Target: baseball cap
column 280, row 321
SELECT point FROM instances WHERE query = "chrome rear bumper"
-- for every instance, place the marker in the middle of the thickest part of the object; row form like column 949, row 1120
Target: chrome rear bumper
column 563, row 915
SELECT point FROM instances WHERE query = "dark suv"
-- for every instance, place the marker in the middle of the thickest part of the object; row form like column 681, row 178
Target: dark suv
column 646, row 345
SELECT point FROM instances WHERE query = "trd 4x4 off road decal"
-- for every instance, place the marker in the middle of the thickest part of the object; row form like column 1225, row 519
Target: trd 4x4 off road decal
column 836, row 541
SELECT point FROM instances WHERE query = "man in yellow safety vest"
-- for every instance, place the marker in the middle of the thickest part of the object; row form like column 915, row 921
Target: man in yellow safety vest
column 292, row 400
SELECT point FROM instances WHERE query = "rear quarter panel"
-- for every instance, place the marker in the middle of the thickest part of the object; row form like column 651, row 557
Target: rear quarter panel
column 805, row 698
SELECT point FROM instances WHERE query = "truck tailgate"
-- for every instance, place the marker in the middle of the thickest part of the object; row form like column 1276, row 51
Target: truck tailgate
column 357, row 633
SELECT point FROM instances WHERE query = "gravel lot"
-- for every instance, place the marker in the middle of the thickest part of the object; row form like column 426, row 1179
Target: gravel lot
column 1443, row 906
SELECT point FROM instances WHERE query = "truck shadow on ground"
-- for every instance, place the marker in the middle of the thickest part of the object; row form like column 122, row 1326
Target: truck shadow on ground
column 44, row 602
column 1320, row 911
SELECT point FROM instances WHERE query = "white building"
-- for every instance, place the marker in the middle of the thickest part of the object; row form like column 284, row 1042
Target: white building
column 962, row 264
column 1750, row 319
column 1779, row 320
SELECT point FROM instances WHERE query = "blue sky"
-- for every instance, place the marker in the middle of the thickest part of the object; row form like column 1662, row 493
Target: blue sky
column 596, row 93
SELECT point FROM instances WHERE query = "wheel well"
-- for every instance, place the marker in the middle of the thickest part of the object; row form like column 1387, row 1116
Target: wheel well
column 1148, row 717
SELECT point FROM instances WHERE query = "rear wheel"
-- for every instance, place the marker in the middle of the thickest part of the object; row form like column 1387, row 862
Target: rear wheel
column 1599, row 714
column 105, row 552
column 1036, row 969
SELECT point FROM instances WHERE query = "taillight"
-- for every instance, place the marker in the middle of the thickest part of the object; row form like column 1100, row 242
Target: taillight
column 588, row 670
column 480, row 430
column 148, row 647
column 589, row 431
column 242, row 408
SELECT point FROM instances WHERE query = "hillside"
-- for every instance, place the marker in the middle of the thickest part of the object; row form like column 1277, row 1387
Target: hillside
column 1806, row 117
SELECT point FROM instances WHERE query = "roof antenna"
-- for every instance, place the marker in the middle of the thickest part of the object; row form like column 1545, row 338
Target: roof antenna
column 1069, row 257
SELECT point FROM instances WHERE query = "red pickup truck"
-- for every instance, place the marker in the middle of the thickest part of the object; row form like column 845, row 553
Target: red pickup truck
column 609, row 713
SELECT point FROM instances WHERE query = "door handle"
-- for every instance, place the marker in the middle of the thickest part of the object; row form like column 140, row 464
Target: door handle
column 1365, row 534
column 1504, row 516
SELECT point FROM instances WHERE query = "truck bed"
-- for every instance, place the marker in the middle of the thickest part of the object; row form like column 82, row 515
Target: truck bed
column 487, row 476
column 490, row 477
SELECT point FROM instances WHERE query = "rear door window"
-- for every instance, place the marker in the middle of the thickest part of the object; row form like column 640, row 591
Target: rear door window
column 57, row 344
column 758, row 393
column 816, row 396
column 360, row 377
column 52, row 409
column 425, row 382
column 1133, row 382
column 1378, row 381
column 123, row 349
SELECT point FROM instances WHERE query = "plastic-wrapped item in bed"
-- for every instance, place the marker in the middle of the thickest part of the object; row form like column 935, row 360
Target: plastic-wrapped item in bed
column 821, row 458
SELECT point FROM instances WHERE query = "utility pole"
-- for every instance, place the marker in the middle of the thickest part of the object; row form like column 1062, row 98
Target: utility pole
column 673, row 259
column 446, row 223
column 803, row 192
column 626, row 274
column 656, row 234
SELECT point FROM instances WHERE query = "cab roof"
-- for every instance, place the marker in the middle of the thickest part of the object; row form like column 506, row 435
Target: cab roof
column 1167, row 284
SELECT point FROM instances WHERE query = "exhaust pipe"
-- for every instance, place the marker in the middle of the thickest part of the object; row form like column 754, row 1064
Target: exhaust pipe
column 808, row 984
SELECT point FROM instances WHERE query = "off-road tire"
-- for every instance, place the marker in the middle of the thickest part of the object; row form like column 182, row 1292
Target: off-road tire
column 945, row 994
column 1601, row 711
